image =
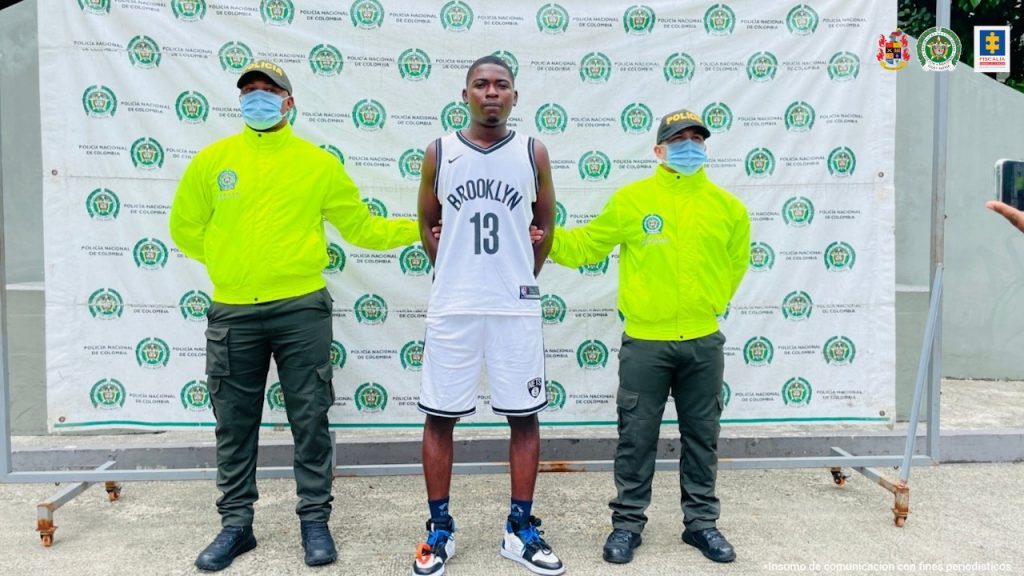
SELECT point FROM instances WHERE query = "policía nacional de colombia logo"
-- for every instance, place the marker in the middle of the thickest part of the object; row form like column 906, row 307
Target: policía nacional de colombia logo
column 796, row 392
column 556, row 395
column 410, row 163
column 843, row 67
column 798, row 212
column 799, row 117
column 338, row 355
column 893, row 50
column 552, row 19
column 456, row 16
column 334, row 151
column 760, row 163
column 797, row 305
column 653, row 224
column 106, row 304
column 802, row 20
column 510, row 59
column 371, row 397
column 150, row 254
column 551, row 118
column 194, row 305
column 143, row 52
column 762, row 257
column 842, row 162
column 102, row 204
column 938, row 49
column 414, row 64
column 97, row 7
column 147, row 154
column 277, row 12
column 839, row 351
column 561, row 215
column 412, row 355
column 552, row 309
column 99, row 102
column 638, row 20
column 717, row 117
column 454, row 116
column 840, row 257
column 195, row 396
column 371, row 309
column 679, row 68
column 595, row 68
column 369, row 115
column 594, row 166
column 227, row 180
column 367, row 14
column 189, row 10
column 719, row 20
column 376, row 207
column 636, row 118
column 326, row 60
column 152, row 353
column 758, row 351
column 275, row 398
column 335, row 259
column 762, row 66
column 107, row 394
column 726, row 394
column 192, row 107
column 592, row 355
column 234, row 57
column 596, row 269
column 414, row 261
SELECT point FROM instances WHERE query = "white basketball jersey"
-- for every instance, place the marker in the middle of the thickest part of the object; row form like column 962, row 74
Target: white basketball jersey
column 484, row 261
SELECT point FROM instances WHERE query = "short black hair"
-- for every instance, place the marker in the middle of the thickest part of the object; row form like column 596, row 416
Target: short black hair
column 489, row 59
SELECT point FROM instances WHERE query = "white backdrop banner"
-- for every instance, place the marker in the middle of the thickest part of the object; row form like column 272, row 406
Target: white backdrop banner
column 803, row 122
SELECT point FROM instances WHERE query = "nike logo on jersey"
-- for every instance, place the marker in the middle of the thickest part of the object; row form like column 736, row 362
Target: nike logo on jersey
column 450, row 160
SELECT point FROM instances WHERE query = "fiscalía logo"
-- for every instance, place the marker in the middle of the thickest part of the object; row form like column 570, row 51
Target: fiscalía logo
column 798, row 212
column 839, row 351
column 802, row 20
column 335, row 259
column 412, row 355
column 595, row 68
column 560, row 214
column 533, row 387
column 189, row 10
column 843, row 66
column 552, row 19
column 760, row 163
column 456, row 16
column 227, row 180
column 555, row 393
column 509, row 59
column 454, row 116
column 99, row 102
column 368, row 115
column 326, row 60
column 842, row 162
column 414, row 261
column 338, row 355
column 679, row 68
column 192, row 107
column 592, row 355
column 653, row 224
column 150, row 254
column 799, row 117
column 147, row 154
column 334, row 151
column 992, row 49
column 194, row 305
column 367, row 14
column 797, row 305
column 144, row 52
column 277, row 12
column 234, row 57
column 717, row 117
column 414, row 64
column 796, row 392
column 758, row 351
column 595, row 269
column 726, row 394
column 410, row 164
column 152, row 353
column 719, row 20
column 371, row 397
column 762, row 257
column 98, row 7
column 106, row 304
column 275, row 398
column 552, row 309
column 551, row 119
column 594, row 166
column 840, row 257
column 893, row 50
column 938, row 49
column 107, row 394
column 102, row 204
column 638, row 19
column 636, row 118
column 762, row 66
column 371, row 309
column 376, row 207
column 195, row 396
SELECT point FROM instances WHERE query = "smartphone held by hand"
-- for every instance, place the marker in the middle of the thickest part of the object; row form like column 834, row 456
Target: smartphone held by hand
column 1010, row 182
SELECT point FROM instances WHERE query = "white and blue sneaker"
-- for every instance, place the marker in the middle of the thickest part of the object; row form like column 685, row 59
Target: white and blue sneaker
column 438, row 549
column 523, row 543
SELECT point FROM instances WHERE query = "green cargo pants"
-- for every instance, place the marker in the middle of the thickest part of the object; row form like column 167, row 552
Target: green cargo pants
column 649, row 370
column 240, row 340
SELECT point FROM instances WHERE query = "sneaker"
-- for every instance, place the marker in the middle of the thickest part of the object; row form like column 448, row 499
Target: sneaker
column 438, row 549
column 523, row 543
column 231, row 542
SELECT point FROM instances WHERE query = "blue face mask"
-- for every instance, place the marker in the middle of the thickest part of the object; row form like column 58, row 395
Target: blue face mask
column 685, row 157
column 261, row 109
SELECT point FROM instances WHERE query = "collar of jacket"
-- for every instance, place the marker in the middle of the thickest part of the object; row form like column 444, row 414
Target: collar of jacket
column 268, row 140
column 676, row 181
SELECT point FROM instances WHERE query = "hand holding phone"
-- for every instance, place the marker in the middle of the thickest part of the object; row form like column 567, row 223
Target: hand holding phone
column 1009, row 192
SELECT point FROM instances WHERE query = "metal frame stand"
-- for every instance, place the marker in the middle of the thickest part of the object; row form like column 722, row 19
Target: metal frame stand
column 46, row 508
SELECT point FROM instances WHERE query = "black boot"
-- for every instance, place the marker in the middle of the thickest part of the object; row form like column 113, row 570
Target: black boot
column 318, row 543
column 232, row 541
column 618, row 548
column 711, row 543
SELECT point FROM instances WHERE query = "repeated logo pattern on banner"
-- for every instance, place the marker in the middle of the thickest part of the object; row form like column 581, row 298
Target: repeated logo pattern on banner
column 803, row 124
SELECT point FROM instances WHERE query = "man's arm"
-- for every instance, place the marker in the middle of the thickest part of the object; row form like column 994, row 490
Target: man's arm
column 590, row 243
column 739, row 249
column 352, row 218
column 429, row 208
column 544, row 207
column 191, row 212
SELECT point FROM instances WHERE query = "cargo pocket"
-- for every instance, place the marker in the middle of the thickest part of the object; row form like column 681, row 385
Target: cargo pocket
column 326, row 374
column 217, row 362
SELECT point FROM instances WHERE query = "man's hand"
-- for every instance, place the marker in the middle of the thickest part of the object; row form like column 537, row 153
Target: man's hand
column 1016, row 217
column 536, row 234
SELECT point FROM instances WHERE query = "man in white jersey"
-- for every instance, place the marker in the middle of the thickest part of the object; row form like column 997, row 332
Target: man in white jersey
column 489, row 184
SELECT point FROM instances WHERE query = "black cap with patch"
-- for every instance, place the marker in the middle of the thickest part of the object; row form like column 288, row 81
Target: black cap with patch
column 267, row 68
column 678, row 121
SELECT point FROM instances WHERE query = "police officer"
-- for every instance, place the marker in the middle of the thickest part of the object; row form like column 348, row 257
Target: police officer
column 685, row 245
column 251, row 208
